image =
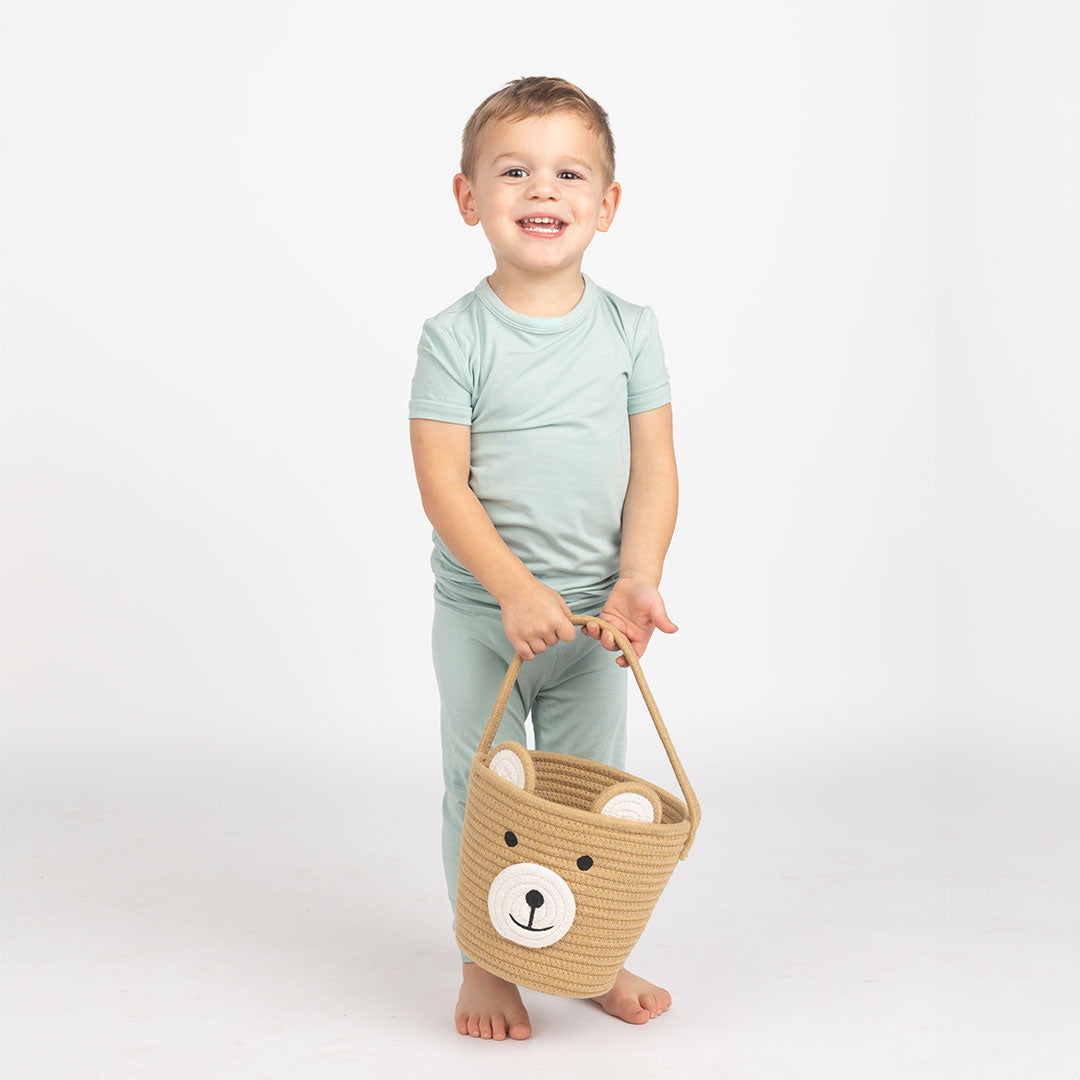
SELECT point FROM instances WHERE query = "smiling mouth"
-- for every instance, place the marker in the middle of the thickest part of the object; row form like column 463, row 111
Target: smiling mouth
column 537, row 929
column 542, row 226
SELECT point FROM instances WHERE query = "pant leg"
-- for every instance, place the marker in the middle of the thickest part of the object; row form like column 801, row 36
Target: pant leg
column 471, row 654
column 581, row 708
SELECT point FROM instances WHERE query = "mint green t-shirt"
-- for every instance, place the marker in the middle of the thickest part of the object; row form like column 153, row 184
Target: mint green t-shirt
column 548, row 401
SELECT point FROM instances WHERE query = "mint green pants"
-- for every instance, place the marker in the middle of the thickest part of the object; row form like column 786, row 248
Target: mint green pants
column 574, row 690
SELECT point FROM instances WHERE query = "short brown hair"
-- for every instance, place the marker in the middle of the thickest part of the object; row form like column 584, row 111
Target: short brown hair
column 538, row 95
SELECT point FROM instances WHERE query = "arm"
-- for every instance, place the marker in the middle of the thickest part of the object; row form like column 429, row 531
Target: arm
column 648, row 522
column 533, row 615
column 441, row 459
column 652, row 496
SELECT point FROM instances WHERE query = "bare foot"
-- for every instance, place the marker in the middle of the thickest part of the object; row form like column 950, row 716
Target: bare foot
column 489, row 1007
column 634, row 999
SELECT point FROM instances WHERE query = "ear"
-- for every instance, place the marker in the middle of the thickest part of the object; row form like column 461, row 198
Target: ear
column 513, row 762
column 631, row 800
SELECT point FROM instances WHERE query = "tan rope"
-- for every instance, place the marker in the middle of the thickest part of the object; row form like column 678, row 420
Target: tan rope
column 692, row 805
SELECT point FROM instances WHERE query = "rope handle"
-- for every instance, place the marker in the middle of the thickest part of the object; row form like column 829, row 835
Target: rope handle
column 635, row 665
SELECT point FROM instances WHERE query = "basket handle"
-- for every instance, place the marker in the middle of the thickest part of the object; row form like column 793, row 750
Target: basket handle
column 635, row 665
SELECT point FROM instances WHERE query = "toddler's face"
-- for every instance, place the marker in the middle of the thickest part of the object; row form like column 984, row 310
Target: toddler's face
column 542, row 166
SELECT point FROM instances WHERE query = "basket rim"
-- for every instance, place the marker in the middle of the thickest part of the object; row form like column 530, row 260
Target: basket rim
column 589, row 817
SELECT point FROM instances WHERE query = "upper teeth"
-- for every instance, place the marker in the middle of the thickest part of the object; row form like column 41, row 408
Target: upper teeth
column 545, row 220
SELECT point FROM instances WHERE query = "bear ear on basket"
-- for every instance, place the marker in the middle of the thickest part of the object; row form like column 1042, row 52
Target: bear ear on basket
column 513, row 762
column 630, row 800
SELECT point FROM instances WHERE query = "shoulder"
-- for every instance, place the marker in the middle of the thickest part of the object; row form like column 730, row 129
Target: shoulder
column 635, row 321
column 453, row 326
column 455, row 310
column 461, row 311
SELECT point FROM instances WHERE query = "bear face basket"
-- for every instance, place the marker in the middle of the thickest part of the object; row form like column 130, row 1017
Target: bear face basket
column 563, row 859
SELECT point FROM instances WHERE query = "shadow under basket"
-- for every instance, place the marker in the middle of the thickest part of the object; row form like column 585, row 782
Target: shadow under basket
column 563, row 859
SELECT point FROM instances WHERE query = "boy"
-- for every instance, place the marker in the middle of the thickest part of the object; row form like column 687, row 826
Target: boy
column 540, row 424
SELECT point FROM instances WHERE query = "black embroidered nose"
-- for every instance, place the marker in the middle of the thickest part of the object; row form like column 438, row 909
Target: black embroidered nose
column 534, row 898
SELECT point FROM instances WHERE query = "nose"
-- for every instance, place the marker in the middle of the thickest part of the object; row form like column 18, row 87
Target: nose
column 540, row 186
column 534, row 898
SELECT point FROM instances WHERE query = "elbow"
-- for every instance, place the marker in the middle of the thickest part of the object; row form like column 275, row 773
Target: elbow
column 435, row 494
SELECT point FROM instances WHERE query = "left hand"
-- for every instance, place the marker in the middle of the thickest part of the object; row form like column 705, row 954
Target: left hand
column 634, row 606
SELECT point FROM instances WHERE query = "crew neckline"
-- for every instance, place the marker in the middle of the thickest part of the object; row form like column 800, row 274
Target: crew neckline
column 539, row 324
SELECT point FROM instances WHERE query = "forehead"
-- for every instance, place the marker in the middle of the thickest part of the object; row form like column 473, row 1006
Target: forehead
column 560, row 134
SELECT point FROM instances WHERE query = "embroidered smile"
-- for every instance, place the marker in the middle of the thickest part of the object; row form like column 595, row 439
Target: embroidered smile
column 537, row 929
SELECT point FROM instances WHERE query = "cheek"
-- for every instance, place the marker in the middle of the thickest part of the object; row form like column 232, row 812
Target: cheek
column 587, row 210
column 504, row 200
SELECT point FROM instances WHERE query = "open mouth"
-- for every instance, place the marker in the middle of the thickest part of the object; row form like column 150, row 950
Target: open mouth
column 538, row 929
column 542, row 225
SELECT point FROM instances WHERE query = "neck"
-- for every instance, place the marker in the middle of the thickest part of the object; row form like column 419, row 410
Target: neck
column 542, row 296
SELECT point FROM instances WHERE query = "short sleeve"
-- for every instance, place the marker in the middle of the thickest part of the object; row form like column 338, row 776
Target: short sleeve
column 648, row 387
column 441, row 384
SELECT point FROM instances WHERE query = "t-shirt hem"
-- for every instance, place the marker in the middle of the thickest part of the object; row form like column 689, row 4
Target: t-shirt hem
column 645, row 402
column 437, row 410
column 463, row 598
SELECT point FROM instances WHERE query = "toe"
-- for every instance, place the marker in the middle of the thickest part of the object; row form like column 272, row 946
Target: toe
column 485, row 1027
column 474, row 1026
column 649, row 1002
column 520, row 1028
column 498, row 1026
column 461, row 1021
column 632, row 1012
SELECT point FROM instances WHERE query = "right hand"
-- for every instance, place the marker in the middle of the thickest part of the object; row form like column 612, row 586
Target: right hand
column 535, row 618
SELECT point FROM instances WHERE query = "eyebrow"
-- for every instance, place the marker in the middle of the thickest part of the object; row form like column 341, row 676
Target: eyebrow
column 519, row 156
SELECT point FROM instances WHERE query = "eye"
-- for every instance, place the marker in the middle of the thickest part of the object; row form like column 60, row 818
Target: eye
column 511, row 841
column 519, row 169
column 584, row 862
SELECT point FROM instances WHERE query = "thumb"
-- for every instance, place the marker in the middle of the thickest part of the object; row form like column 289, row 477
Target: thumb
column 660, row 618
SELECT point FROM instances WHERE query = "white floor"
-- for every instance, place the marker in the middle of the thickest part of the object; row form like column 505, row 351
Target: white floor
column 204, row 918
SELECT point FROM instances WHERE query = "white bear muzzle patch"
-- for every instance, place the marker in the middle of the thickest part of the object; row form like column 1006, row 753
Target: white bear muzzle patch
column 531, row 904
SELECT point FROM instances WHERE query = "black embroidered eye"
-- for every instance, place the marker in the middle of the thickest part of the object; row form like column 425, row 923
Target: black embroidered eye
column 584, row 862
column 511, row 839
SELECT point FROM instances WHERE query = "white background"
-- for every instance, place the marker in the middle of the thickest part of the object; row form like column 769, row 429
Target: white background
column 223, row 225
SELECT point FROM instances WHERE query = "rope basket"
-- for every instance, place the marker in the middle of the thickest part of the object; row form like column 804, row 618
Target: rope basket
column 563, row 859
